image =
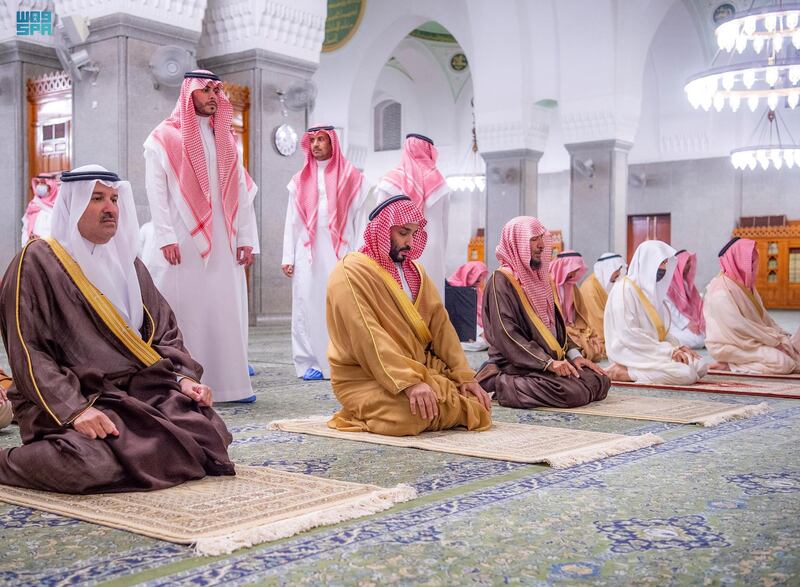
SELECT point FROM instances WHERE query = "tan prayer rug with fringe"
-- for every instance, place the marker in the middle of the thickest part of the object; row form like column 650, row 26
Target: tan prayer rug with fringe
column 221, row 514
column 729, row 385
column 521, row 443
column 680, row 411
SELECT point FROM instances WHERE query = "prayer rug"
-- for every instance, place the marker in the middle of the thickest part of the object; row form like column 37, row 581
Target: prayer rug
column 680, row 411
column 729, row 385
column 521, row 443
column 788, row 376
column 221, row 514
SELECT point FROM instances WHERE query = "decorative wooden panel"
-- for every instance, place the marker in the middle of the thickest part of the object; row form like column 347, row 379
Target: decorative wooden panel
column 648, row 227
column 240, row 100
column 778, row 277
column 50, row 130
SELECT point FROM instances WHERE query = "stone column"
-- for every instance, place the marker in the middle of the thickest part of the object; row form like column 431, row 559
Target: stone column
column 266, row 47
column 19, row 61
column 511, row 180
column 598, row 197
column 114, row 110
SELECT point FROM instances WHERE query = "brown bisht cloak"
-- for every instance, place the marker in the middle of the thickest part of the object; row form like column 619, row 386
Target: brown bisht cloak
column 69, row 350
column 382, row 343
column 519, row 352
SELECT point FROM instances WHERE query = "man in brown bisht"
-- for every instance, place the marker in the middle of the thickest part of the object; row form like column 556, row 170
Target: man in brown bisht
column 105, row 393
column 397, row 366
column 532, row 360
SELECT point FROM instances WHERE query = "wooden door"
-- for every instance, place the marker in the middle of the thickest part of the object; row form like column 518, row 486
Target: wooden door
column 648, row 227
column 50, row 130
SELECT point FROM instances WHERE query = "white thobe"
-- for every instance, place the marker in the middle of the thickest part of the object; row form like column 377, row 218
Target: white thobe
column 312, row 266
column 209, row 299
column 41, row 227
column 632, row 341
column 436, row 212
column 679, row 328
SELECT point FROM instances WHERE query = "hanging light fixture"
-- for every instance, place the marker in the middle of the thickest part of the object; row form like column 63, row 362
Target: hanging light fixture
column 771, row 78
column 770, row 149
column 472, row 180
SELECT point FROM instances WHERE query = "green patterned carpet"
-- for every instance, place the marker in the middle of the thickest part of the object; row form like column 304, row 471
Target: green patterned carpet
column 717, row 506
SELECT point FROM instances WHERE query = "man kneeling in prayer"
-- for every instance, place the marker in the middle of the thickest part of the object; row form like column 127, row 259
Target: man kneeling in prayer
column 566, row 270
column 740, row 333
column 638, row 342
column 105, row 393
column 397, row 366
column 532, row 360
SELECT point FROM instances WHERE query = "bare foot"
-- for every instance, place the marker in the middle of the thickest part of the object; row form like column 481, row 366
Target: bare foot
column 719, row 367
column 618, row 373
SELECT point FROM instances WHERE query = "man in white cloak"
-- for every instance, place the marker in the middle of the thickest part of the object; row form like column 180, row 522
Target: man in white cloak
column 740, row 334
column 205, row 234
column 325, row 199
column 638, row 342
column 418, row 178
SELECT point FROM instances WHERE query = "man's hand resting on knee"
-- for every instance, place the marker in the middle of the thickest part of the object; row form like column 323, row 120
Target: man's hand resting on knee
column 196, row 391
column 95, row 424
column 422, row 400
column 476, row 391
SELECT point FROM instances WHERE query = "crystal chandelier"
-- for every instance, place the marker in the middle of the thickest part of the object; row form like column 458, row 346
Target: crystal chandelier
column 772, row 30
column 768, row 151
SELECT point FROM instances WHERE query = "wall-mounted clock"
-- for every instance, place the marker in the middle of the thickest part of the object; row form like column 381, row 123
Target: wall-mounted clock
column 285, row 140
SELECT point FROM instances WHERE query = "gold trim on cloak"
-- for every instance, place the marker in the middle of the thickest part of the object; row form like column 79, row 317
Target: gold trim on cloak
column 649, row 309
column 544, row 331
column 142, row 350
column 410, row 310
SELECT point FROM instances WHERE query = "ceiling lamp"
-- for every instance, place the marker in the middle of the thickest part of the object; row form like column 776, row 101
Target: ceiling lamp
column 473, row 179
column 770, row 149
column 770, row 76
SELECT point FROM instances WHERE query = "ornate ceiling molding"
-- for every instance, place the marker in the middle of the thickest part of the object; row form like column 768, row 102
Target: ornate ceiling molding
column 233, row 26
column 505, row 134
column 186, row 14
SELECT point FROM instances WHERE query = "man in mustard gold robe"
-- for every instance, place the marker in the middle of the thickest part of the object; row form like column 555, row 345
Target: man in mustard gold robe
column 397, row 366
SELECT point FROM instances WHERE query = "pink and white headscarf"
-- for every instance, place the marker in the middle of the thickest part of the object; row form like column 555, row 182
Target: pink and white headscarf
column 378, row 239
column 472, row 274
column 417, row 175
column 342, row 184
column 560, row 269
column 37, row 203
column 514, row 254
column 683, row 291
column 179, row 135
column 739, row 261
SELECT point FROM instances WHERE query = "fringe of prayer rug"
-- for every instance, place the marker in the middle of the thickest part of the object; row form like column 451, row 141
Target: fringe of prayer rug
column 521, row 443
column 729, row 385
column 221, row 514
column 680, row 411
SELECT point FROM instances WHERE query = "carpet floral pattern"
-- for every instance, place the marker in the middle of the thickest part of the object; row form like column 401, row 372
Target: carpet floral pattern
column 718, row 505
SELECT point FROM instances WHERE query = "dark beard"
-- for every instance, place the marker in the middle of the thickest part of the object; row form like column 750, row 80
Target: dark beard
column 394, row 253
column 535, row 265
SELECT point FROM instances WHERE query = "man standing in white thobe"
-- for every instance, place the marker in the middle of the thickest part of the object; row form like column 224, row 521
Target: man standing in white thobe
column 325, row 199
column 418, row 178
column 205, row 234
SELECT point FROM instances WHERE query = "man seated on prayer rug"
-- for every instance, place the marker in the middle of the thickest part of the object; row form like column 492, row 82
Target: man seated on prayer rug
column 740, row 334
column 6, row 415
column 473, row 274
column 637, row 341
column 105, row 393
column 532, row 360
column 397, row 366
column 595, row 288
column 566, row 270
column 685, row 304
